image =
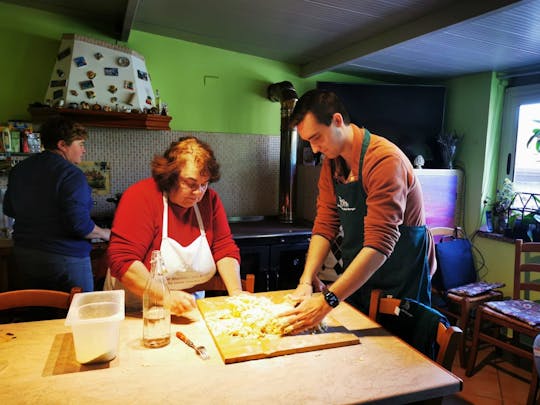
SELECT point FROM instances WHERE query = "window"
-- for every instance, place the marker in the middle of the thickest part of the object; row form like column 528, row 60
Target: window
column 519, row 162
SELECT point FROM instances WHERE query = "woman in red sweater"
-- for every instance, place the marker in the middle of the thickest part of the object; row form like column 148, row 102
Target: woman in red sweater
column 174, row 211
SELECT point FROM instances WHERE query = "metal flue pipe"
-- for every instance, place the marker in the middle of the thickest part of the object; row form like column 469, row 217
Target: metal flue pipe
column 285, row 94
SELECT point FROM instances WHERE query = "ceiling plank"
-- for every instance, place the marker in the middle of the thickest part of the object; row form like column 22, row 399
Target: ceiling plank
column 441, row 18
column 129, row 18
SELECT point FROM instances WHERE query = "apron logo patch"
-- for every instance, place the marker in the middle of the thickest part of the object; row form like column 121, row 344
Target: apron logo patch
column 344, row 205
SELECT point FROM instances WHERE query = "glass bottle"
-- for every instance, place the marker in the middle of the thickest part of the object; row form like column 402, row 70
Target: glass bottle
column 157, row 101
column 156, row 306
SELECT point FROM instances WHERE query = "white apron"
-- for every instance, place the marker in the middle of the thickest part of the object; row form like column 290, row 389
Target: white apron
column 187, row 266
column 196, row 259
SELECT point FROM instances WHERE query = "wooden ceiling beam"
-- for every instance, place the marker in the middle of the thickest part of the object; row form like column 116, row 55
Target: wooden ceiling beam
column 128, row 19
column 452, row 14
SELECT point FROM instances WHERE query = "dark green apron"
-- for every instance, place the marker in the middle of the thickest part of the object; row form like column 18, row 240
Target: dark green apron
column 405, row 274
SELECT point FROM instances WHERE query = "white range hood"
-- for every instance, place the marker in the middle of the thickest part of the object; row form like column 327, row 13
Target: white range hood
column 95, row 74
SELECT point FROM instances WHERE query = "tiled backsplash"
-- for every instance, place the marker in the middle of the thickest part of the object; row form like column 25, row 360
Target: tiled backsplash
column 249, row 165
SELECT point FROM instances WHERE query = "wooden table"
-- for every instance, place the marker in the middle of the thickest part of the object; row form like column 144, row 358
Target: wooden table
column 37, row 365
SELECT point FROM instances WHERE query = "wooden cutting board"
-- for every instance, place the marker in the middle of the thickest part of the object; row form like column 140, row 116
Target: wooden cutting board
column 236, row 349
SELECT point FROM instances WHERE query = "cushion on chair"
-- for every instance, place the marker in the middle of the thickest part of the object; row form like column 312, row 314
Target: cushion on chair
column 473, row 289
column 523, row 310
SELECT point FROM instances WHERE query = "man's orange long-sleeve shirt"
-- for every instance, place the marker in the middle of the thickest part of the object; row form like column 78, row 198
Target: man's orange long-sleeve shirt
column 394, row 195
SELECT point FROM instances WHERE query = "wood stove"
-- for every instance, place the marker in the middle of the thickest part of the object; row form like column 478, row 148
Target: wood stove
column 275, row 252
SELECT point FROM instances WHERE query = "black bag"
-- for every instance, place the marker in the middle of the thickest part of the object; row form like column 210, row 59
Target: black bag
column 455, row 264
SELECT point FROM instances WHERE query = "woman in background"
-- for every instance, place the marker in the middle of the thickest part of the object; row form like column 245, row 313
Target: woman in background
column 175, row 212
column 50, row 200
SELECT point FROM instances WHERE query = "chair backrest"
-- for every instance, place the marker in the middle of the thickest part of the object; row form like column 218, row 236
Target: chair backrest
column 447, row 338
column 37, row 298
column 216, row 284
column 439, row 232
column 521, row 268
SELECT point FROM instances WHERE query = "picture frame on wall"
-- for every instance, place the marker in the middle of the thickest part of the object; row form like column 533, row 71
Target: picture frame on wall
column 110, row 71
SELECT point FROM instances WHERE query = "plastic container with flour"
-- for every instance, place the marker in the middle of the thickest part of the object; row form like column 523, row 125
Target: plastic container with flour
column 95, row 319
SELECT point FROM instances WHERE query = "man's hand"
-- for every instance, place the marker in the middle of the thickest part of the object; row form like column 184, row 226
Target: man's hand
column 305, row 289
column 302, row 292
column 318, row 285
column 309, row 314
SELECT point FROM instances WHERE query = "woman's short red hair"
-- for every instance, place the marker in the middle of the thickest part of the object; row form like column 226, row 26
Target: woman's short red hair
column 166, row 169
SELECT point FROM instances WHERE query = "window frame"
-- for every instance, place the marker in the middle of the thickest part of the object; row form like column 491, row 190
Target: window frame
column 514, row 97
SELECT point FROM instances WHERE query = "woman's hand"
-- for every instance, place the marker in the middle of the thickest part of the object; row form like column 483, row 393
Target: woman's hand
column 181, row 302
column 238, row 292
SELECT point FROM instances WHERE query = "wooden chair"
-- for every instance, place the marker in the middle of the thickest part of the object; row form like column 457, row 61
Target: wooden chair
column 216, row 284
column 35, row 298
column 492, row 316
column 536, row 355
column 459, row 307
column 448, row 338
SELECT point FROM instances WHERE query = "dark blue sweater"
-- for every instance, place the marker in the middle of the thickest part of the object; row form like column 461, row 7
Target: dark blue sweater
column 50, row 200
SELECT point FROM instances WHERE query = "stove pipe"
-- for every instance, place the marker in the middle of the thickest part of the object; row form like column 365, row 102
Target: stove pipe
column 285, row 93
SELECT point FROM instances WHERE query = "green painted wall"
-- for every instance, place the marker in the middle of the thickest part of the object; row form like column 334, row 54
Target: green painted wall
column 499, row 262
column 207, row 89
column 467, row 113
column 474, row 108
column 232, row 99
column 29, row 43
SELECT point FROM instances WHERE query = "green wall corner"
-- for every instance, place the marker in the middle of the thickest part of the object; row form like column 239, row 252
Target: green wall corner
column 207, row 89
column 474, row 105
column 214, row 90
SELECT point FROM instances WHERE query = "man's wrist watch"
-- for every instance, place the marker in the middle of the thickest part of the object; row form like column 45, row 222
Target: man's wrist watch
column 331, row 298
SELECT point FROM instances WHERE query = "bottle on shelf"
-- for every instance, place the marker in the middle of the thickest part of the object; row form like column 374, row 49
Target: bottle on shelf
column 156, row 306
column 157, row 101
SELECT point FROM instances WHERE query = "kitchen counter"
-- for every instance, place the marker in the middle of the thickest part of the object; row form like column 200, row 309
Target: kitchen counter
column 6, row 261
column 267, row 227
column 246, row 231
column 97, row 256
column 37, row 365
column 249, row 227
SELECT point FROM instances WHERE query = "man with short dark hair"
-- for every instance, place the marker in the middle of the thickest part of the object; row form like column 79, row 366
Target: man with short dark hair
column 367, row 185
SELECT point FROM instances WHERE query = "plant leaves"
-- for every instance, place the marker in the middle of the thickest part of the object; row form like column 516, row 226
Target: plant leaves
column 536, row 134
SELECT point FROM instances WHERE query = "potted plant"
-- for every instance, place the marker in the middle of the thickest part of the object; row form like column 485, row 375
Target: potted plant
column 524, row 220
column 448, row 142
column 535, row 135
column 501, row 205
column 527, row 227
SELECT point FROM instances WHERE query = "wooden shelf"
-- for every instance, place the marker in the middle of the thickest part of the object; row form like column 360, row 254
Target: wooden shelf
column 105, row 119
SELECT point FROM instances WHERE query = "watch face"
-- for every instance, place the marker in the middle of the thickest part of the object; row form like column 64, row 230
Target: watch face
column 331, row 299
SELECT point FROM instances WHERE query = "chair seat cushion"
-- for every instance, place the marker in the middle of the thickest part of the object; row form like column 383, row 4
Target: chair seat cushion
column 523, row 310
column 472, row 289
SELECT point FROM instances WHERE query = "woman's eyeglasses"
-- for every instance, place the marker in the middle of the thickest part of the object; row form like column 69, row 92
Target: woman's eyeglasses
column 192, row 185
